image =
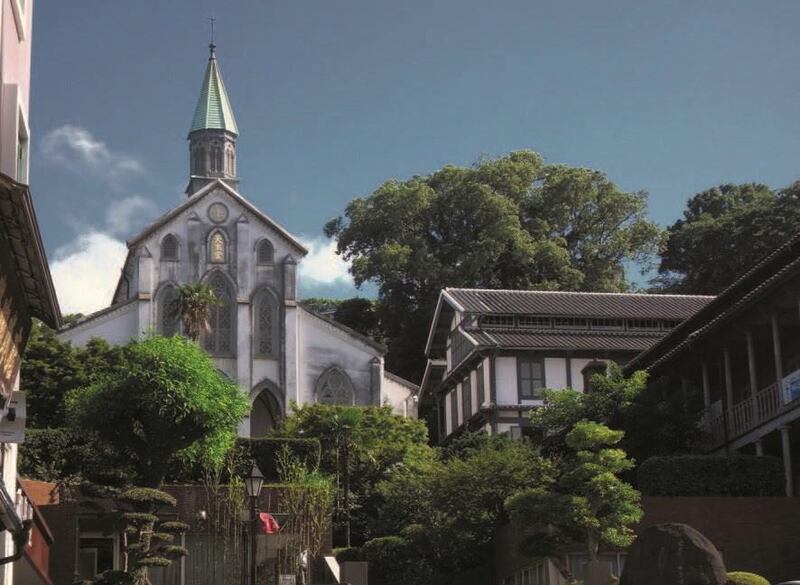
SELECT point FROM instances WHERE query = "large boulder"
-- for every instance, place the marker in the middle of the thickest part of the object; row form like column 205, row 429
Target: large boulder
column 673, row 554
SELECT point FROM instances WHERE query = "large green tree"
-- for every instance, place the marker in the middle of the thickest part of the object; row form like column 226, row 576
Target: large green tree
column 166, row 400
column 724, row 232
column 509, row 222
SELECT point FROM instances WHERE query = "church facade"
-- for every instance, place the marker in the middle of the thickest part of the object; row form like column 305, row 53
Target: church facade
column 261, row 336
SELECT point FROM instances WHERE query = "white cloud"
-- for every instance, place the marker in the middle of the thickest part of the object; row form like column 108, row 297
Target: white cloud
column 123, row 215
column 85, row 272
column 78, row 150
column 322, row 264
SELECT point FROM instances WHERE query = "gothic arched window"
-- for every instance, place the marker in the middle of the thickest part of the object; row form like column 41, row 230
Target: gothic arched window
column 265, row 254
column 169, row 247
column 217, row 247
column 168, row 321
column 335, row 387
column 265, row 324
column 220, row 340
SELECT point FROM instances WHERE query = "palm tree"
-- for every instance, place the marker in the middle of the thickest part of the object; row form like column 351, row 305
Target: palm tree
column 193, row 306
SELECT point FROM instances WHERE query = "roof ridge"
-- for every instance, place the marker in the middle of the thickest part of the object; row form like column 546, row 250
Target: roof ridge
column 581, row 293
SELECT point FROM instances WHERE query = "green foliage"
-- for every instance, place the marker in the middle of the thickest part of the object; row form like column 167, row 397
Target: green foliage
column 345, row 553
column 360, row 315
column 139, row 518
column 173, row 527
column 655, row 417
column 70, row 456
column 588, row 501
column 742, row 578
column 395, row 560
column 457, row 502
column 724, row 232
column 193, row 306
column 51, row 368
column 612, row 395
column 376, row 442
column 696, row 475
column 511, row 222
column 307, row 498
column 144, row 498
column 265, row 453
column 167, row 401
column 320, row 304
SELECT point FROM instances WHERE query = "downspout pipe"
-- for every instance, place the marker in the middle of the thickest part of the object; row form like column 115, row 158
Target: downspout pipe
column 20, row 541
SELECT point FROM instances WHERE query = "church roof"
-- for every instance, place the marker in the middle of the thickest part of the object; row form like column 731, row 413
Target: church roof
column 213, row 111
column 219, row 184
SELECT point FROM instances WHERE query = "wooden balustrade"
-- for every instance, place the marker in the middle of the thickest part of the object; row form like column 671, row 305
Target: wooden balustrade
column 745, row 415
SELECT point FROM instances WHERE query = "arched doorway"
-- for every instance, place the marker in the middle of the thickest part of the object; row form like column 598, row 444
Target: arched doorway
column 266, row 412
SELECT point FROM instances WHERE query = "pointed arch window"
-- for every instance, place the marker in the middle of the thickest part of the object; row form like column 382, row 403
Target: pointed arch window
column 335, row 387
column 220, row 340
column 217, row 247
column 169, row 248
column 168, row 322
column 266, row 325
column 265, row 254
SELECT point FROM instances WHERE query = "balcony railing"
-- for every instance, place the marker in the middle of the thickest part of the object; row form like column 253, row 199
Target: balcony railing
column 748, row 414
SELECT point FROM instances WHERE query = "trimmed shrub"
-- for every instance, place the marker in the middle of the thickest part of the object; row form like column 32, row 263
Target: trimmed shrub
column 742, row 578
column 696, row 475
column 265, row 453
column 344, row 554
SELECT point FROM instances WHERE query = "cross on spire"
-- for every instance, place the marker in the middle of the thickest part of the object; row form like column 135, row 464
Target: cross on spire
column 211, row 45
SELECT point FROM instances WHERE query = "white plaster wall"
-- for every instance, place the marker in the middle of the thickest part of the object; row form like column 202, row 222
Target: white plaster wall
column 322, row 345
column 311, row 345
column 448, row 413
column 117, row 327
column 459, row 405
column 555, row 373
column 399, row 397
column 577, row 378
column 506, row 375
column 504, row 428
column 473, row 375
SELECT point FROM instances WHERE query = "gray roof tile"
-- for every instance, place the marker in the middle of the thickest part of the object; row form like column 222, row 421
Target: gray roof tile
column 582, row 304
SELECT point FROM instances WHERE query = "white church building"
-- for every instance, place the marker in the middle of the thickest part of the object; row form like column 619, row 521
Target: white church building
column 261, row 336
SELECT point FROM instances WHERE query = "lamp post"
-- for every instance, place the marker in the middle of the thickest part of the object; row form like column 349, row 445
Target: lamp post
column 253, row 485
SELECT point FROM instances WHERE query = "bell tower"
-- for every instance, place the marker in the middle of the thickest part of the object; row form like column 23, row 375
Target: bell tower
column 212, row 137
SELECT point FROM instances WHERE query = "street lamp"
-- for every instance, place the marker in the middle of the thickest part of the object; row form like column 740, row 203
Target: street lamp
column 253, row 485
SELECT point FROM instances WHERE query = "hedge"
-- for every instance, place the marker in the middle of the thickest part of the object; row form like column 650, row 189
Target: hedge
column 50, row 454
column 741, row 578
column 696, row 475
column 264, row 452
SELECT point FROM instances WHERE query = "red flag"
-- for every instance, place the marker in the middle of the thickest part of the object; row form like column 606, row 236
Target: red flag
column 268, row 524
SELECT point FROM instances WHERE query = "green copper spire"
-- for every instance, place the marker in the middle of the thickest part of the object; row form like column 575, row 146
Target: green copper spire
column 213, row 111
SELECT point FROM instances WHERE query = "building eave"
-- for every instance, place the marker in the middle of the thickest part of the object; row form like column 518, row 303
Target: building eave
column 379, row 347
column 19, row 216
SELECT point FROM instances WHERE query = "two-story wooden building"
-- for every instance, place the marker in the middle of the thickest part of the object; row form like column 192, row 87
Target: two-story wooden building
column 742, row 353
column 491, row 352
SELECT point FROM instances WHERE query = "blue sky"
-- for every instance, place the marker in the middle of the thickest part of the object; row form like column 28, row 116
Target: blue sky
column 334, row 97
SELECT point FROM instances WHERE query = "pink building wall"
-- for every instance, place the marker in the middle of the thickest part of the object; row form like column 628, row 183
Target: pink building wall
column 15, row 74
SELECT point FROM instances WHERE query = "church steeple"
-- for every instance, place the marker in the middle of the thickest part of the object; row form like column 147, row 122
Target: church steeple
column 213, row 134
